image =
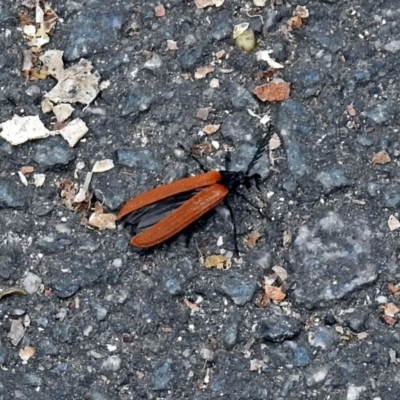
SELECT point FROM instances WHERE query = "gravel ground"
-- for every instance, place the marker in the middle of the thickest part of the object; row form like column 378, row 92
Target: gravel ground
column 106, row 322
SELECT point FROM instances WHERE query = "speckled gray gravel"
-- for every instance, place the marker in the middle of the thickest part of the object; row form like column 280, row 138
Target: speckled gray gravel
column 106, row 322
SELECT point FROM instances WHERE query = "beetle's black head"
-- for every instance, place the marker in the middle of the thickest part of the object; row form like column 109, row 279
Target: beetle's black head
column 234, row 179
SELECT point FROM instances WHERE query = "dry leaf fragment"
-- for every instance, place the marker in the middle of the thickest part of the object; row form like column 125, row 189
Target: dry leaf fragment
column 391, row 309
column 256, row 365
column 172, row 45
column 11, row 291
column 26, row 353
column 274, row 293
column 274, row 91
column 27, row 169
column 100, row 220
column 202, row 72
column 217, row 261
column 394, row 290
column 251, row 239
column 280, row 272
column 203, row 148
column 274, row 142
column 202, row 113
column 25, row 19
column 389, row 320
column 214, row 83
column 362, row 335
column 17, row 331
column 393, row 223
column 262, row 301
column 27, row 63
column 302, row 12
column 191, row 306
column 351, row 111
column 211, row 129
column 381, row 157
column 295, row 23
column 221, row 55
column 160, row 11
column 103, row 165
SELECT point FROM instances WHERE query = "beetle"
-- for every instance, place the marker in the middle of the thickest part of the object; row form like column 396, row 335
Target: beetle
column 160, row 213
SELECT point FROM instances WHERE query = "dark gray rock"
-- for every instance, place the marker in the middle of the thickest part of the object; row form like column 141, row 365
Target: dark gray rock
column 65, row 289
column 239, row 288
column 99, row 311
column 32, row 380
column 190, row 58
column 138, row 158
column 93, row 18
column 381, row 113
column 322, row 338
column 301, row 356
column 280, row 328
column 240, row 97
column 53, row 245
column 12, row 195
column 135, row 102
column 333, row 179
column 336, row 259
column 390, row 195
column 163, row 376
column 110, row 189
column 173, row 286
column 222, row 26
column 231, row 332
column 53, row 152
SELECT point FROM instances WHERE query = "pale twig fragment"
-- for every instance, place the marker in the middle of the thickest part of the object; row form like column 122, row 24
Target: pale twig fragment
column 202, row 72
column 264, row 56
column 208, row 3
column 23, row 179
column 103, row 165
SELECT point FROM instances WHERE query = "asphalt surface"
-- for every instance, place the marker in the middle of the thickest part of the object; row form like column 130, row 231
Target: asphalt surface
column 101, row 321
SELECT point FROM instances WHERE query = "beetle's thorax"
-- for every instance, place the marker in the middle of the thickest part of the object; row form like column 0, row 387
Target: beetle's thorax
column 233, row 179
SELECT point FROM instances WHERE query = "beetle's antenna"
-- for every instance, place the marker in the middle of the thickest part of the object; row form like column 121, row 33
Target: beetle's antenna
column 260, row 150
column 228, row 206
column 193, row 157
column 250, row 203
